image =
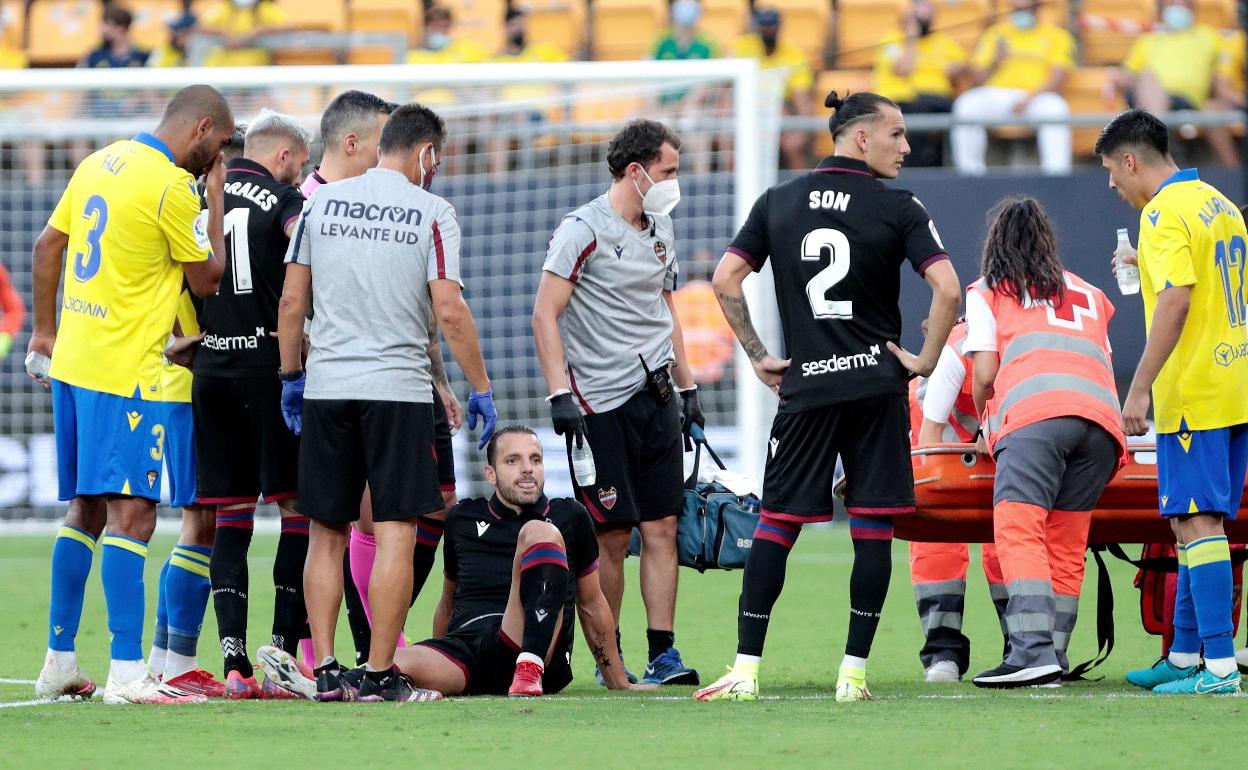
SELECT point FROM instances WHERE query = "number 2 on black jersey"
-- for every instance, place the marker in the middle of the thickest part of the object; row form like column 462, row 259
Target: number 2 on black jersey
column 837, row 245
column 235, row 222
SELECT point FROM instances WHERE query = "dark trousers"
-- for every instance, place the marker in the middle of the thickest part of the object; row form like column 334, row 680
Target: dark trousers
column 926, row 148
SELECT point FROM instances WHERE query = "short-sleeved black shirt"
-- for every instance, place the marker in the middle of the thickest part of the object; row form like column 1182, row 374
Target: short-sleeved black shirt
column 836, row 238
column 480, row 546
column 237, row 320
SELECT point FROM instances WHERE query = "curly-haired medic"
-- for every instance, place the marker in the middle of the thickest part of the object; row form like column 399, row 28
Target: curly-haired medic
column 836, row 238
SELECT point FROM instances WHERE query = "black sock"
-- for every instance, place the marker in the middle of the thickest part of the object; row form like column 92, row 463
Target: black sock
column 361, row 633
column 290, row 614
column 619, row 646
column 763, row 581
column 543, row 588
column 228, row 572
column 428, row 535
column 868, row 582
column 659, row 642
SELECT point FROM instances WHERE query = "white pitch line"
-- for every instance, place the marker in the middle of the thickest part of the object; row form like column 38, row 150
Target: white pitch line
column 22, row 703
column 16, row 681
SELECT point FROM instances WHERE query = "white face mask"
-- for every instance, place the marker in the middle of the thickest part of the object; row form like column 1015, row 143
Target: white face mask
column 661, row 198
column 426, row 179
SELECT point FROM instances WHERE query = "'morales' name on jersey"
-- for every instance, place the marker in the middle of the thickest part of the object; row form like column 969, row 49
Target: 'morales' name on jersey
column 239, row 319
column 836, row 238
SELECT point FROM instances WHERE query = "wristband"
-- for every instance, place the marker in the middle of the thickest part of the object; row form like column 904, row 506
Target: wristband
column 289, row 376
column 557, row 394
column 686, row 390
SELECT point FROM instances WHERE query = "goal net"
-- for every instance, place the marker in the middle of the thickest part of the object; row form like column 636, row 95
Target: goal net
column 526, row 144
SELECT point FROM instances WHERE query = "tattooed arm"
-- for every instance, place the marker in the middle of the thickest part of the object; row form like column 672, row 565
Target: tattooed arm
column 598, row 626
column 727, row 282
column 442, row 385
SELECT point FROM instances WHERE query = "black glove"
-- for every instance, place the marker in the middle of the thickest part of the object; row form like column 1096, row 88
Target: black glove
column 567, row 418
column 690, row 411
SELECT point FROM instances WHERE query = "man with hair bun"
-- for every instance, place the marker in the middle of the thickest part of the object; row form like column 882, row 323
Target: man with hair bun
column 836, row 237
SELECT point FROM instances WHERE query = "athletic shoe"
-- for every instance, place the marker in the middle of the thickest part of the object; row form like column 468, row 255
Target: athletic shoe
column 731, row 686
column 1006, row 676
column 239, row 687
column 351, row 679
column 282, row 669
column 849, row 689
column 942, row 671
column 527, row 683
column 146, row 690
column 668, row 668
column 396, row 688
column 198, row 682
column 271, row 690
column 1241, row 660
column 1161, row 672
column 603, row 683
column 1203, row 682
column 53, row 683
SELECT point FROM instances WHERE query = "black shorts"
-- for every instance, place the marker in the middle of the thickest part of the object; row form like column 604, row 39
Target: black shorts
column 872, row 437
column 244, row 449
column 488, row 658
column 442, row 452
column 639, row 462
column 348, row 443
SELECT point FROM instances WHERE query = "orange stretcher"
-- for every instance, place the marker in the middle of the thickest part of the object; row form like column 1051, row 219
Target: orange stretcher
column 953, row 500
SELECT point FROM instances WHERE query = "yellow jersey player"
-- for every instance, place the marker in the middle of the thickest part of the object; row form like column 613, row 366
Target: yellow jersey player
column 130, row 227
column 1195, row 362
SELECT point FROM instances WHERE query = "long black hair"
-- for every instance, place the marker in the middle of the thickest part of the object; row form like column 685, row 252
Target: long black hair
column 863, row 105
column 1020, row 253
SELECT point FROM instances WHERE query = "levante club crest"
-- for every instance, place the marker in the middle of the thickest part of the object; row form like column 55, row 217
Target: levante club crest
column 608, row 497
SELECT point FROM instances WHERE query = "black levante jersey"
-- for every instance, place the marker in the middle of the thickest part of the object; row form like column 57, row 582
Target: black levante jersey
column 836, row 238
column 480, row 546
column 238, row 319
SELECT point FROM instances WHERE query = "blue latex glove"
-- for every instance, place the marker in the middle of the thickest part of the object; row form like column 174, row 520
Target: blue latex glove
column 481, row 404
column 292, row 404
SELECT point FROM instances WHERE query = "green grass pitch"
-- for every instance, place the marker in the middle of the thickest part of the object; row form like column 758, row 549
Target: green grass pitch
column 910, row 724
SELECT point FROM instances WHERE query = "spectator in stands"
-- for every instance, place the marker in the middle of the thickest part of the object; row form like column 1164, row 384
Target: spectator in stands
column 1174, row 68
column 766, row 45
column 440, row 46
column 173, row 52
column 17, row 108
column 240, row 24
column 915, row 68
column 1019, row 67
column 1229, row 84
column 519, row 47
column 116, row 50
column 683, row 39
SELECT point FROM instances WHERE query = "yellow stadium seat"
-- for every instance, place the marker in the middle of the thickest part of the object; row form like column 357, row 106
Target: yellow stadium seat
column 480, row 21
column 847, row 81
column 1219, row 14
column 806, row 24
column 13, row 24
column 625, row 29
column 150, row 28
column 560, row 23
column 963, row 20
column 63, row 31
column 402, row 16
column 860, row 25
column 1056, row 12
column 321, row 15
column 606, row 106
column 725, row 20
column 1109, row 46
column 1086, row 91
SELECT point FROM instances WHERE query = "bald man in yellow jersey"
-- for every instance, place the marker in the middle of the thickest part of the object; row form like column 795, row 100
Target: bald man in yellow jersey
column 131, row 232
column 1195, row 363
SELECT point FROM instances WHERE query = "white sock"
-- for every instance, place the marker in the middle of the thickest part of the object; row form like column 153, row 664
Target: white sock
column 1184, row 659
column 66, row 660
column 176, row 665
column 531, row 658
column 853, row 661
column 329, row 660
column 1222, row 667
column 747, row 662
column 156, row 660
column 126, row 671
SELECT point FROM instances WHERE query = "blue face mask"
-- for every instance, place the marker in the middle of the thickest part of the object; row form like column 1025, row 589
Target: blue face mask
column 437, row 40
column 1023, row 19
column 1177, row 17
column 685, row 13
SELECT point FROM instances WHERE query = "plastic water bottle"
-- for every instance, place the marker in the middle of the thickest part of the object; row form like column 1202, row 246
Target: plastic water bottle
column 582, row 463
column 38, row 365
column 1128, row 275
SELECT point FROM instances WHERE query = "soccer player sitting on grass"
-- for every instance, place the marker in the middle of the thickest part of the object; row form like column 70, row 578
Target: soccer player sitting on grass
column 516, row 566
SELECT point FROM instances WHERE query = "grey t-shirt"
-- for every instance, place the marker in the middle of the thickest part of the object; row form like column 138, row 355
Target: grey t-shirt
column 617, row 310
column 374, row 243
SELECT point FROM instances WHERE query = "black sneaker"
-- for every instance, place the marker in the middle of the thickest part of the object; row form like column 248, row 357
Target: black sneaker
column 395, row 687
column 329, row 681
column 1006, row 676
column 351, row 679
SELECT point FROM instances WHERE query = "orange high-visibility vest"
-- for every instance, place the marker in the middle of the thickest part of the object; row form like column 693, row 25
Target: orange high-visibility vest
column 1055, row 362
column 963, row 421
